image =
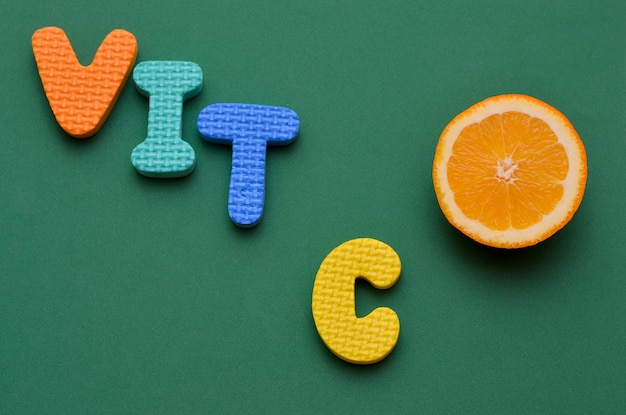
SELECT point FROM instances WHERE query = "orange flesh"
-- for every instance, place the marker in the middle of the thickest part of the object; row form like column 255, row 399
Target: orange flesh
column 506, row 171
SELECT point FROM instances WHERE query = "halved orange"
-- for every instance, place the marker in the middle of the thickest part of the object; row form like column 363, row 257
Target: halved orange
column 509, row 171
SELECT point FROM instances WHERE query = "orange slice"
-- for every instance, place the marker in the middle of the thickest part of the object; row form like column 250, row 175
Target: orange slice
column 509, row 171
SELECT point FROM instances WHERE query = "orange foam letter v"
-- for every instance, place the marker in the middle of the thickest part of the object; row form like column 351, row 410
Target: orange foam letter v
column 81, row 97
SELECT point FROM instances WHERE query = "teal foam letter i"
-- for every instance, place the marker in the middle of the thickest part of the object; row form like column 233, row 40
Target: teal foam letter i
column 167, row 84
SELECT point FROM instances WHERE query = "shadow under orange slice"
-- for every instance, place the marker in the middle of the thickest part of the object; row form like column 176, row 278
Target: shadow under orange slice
column 81, row 97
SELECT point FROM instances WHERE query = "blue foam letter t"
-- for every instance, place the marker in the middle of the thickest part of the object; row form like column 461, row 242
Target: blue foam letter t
column 249, row 129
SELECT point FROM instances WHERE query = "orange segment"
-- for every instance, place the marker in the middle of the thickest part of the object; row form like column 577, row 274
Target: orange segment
column 81, row 97
column 509, row 171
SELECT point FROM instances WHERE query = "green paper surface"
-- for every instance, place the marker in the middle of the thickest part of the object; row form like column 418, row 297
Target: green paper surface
column 121, row 294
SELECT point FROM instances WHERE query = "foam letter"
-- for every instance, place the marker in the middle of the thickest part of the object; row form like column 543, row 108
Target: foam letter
column 249, row 129
column 81, row 97
column 357, row 340
column 167, row 83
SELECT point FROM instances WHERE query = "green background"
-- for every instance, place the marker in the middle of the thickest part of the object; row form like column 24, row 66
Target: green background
column 126, row 295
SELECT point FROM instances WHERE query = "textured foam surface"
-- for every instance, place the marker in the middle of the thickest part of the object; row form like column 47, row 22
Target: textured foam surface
column 167, row 83
column 357, row 340
column 81, row 97
column 249, row 129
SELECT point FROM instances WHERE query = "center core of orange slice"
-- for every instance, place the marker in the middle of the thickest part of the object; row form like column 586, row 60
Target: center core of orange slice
column 505, row 170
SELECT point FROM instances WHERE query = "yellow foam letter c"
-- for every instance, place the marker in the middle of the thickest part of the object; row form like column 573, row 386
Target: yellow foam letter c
column 357, row 340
